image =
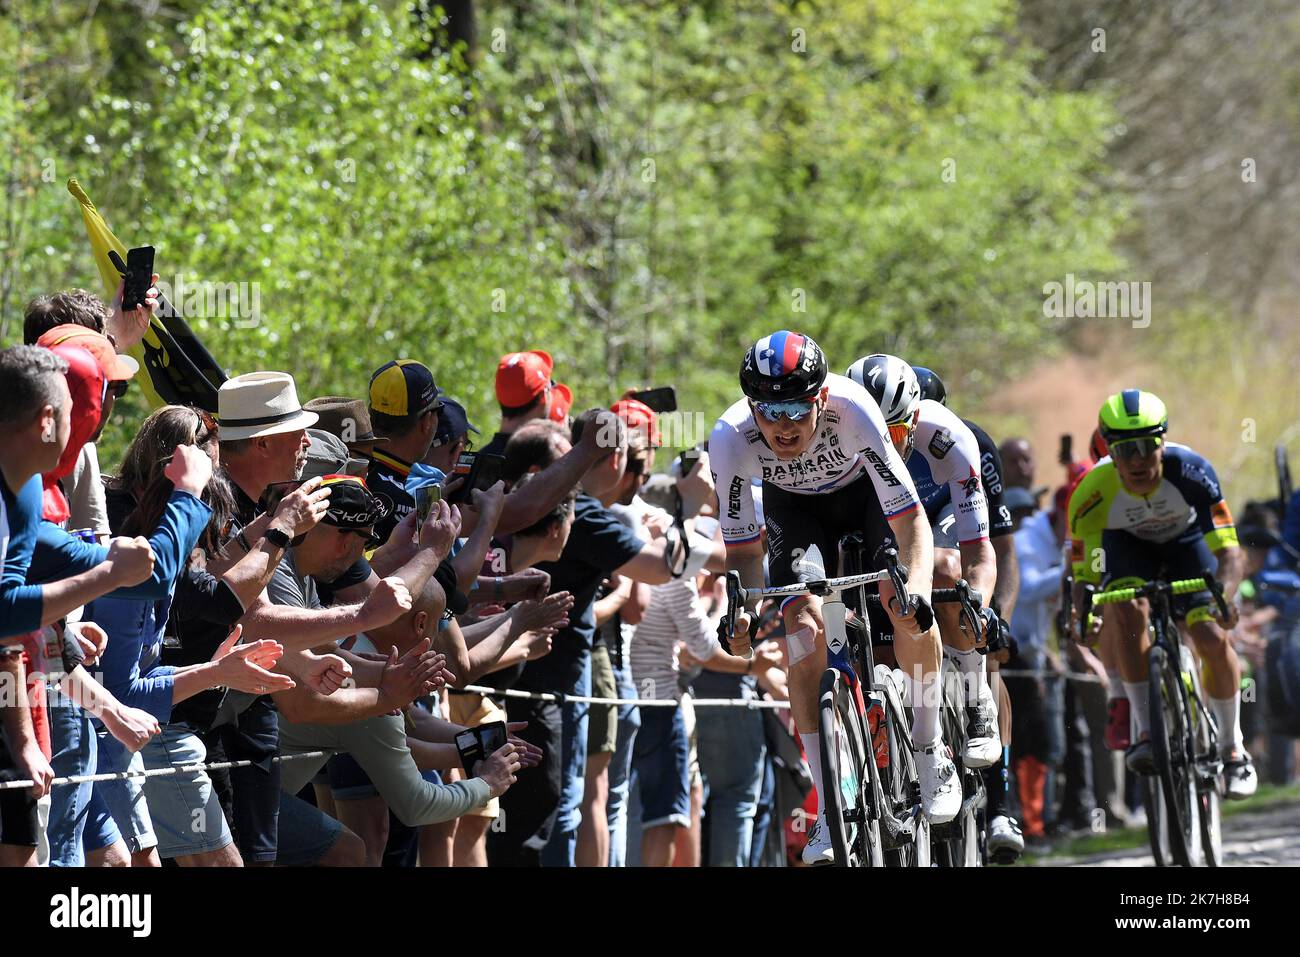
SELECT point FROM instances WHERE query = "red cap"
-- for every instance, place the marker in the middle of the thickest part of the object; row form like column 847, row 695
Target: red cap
column 638, row 415
column 521, row 377
column 561, row 402
column 116, row 368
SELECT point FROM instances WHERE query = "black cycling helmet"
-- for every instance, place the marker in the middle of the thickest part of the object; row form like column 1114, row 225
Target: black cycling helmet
column 784, row 365
column 931, row 385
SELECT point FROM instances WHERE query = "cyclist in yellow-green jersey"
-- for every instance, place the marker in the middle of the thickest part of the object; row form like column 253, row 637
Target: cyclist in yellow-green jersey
column 1154, row 509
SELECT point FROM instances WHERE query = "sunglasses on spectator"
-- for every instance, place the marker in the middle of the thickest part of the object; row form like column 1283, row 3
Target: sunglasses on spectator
column 1134, row 448
column 205, row 429
column 372, row 540
column 792, row 409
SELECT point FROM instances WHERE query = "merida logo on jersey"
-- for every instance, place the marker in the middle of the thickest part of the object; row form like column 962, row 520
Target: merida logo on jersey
column 881, row 468
column 733, row 497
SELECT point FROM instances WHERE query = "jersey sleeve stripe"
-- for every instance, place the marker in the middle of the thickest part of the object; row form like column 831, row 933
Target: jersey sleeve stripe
column 903, row 511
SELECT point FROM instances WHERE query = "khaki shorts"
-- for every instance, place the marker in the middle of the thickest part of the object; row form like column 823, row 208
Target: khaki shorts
column 602, row 719
column 471, row 710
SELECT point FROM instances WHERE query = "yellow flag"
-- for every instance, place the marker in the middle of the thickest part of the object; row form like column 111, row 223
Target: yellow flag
column 175, row 366
column 101, row 241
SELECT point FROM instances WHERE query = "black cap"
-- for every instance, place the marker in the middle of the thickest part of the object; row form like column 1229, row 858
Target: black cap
column 452, row 423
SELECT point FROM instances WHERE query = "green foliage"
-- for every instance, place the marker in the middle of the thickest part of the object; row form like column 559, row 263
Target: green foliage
column 641, row 189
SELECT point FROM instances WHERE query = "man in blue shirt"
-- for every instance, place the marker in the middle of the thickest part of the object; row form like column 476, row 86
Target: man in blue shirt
column 35, row 417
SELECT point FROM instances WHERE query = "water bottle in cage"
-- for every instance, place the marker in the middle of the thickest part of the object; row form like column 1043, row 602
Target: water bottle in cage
column 876, row 725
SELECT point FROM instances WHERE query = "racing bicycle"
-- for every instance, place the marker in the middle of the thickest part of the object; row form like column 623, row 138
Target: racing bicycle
column 874, row 814
column 1184, row 796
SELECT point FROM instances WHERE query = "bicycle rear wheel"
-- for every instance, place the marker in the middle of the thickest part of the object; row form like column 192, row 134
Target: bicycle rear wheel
column 1208, row 769
column 956, row 844
column 843, row 770
column 1175, row 761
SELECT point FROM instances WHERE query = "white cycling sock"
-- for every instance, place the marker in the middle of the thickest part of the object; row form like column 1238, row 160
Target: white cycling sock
column 812, row 750
column 1114, row 685
column 973, row 668
column 925, row 698
column 1227, row 713
column 1139, row 699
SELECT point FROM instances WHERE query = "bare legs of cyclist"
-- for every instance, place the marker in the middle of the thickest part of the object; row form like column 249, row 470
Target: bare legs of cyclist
column 1118, row 734
column 1223, row 689
column 1223, row 681
column 983, row 740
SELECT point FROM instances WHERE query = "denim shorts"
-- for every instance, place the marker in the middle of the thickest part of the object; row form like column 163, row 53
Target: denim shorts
column 186, row 813
column 347, row 780
column 73, row 826
column 305, row 833
column 661, row 765
column 124, row 799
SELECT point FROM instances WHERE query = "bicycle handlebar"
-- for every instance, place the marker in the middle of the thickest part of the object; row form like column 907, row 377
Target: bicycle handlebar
column 894, row 572
column 1185, row 586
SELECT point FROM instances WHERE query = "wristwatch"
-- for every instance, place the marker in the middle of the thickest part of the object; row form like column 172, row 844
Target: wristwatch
column 277, row 538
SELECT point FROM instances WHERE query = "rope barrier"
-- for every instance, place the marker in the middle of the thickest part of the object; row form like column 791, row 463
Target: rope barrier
column 155, row 772
column 1079, row 676
column 751, row 704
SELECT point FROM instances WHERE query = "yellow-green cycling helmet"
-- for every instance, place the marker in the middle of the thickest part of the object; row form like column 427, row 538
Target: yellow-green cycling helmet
column 1132, row 414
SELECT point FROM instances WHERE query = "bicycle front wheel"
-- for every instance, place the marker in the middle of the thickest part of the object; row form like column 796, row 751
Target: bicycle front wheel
column 843, row 770
column 1153, row 802
column 901, row 781
column 1174, row 758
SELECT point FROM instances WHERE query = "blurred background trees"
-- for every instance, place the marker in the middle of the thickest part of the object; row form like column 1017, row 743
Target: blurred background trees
column 642, row 189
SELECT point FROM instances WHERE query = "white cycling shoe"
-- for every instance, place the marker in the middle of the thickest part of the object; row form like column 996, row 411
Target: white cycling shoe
column 1006, row 842
column 983, row 739
column 1239, row 775
column 940, row 783
column 818, row 850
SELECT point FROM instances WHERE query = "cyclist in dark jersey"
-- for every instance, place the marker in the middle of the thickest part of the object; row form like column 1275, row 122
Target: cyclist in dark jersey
column 1005, row 841
column 820, row 447
column 943, row 458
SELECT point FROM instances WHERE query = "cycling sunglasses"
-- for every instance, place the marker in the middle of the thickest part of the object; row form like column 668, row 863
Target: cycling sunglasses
column 792, row 409
column 900, row 431
column 117, row 388
column 1134, row 448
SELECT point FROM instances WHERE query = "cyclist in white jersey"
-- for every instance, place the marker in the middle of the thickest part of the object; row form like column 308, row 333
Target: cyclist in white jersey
column 820, row 447
column 943, row 458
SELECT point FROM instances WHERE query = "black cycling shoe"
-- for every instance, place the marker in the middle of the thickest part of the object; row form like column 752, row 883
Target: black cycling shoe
column 1140, row 758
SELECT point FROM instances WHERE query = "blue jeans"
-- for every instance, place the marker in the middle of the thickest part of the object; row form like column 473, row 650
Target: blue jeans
column 732, row 753
column 72, row 826
column 559, row 851
column 620, row 768
column 763, row 819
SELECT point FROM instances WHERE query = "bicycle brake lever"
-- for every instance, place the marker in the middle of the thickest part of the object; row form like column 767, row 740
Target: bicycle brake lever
column 727, row 625
column 1216, row 589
